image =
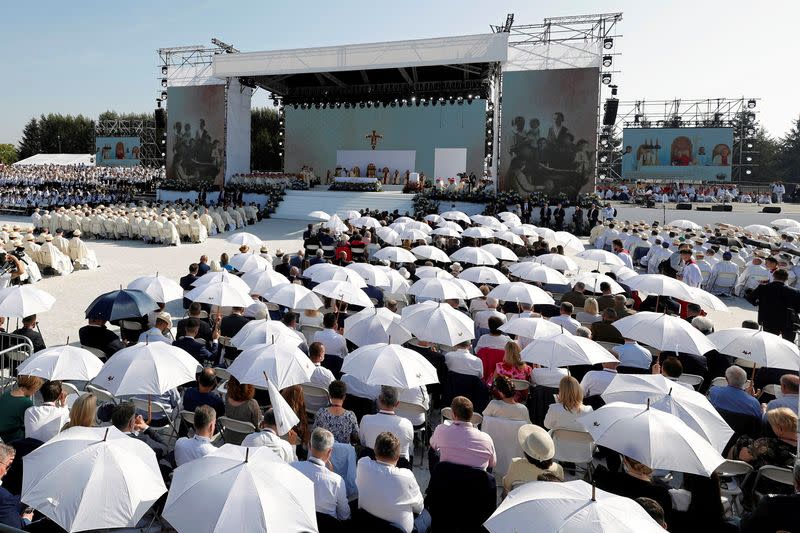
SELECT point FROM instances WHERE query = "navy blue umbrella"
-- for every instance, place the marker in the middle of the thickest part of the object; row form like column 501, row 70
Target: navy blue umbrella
column 121, row 304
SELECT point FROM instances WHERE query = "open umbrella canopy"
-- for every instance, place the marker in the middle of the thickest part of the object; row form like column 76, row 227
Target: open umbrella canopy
column 118, row 478
column 665, row 395
column 684, row 224
column 470, row 289
column 349, row 214
column 437, row 289
column 536, row 272
column 478, row 232
column 531, row 328
column 593, row 280
column 147, row 368
column 284, row 364
column 438, row 323
column 660, row 285
column 371, row 274
column 782, row 223
column 249, row 262
column 344, row 291
column 570, row 507
column 265, row 331
column 705, row 299
column 370, row 326
column 509, row 237
column 121, row 304
column 562, row 263
column 19, row 301
column 456, row 215
column 412, row 234
column 664, row 332
column 264, row 280
column 365, row 222
column 319, row 215
column 432, row 272
column 431, row 252
column 242, row 489
column 600, row 256
column 293, row 296
column 623, row 273
column 762, row 348
column 395, row 255
column 335, row 224
column 389, row 364
column 569, row 241
column 446, row 232
column 434, row 218
column 520, row 292
column 655, row 438
column 566, row 349
column 388, row 235
column 61, row 363
column 159, row 288
column 223, row 276
column 760, row 230
column 248, row 239
column 221, row 294
column 501, row 252
column 484, row 274
column 339, row 273
column 527, row 230
column 474, row 256
column 397, row 283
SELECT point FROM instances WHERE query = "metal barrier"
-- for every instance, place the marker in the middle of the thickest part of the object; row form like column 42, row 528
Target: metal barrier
column 8, row 529
column 14, row 349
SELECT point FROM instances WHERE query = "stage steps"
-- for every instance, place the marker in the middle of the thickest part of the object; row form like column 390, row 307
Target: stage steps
column 296, row 205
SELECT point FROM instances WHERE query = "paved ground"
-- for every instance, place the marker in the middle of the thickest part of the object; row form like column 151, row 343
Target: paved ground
column 742, row 214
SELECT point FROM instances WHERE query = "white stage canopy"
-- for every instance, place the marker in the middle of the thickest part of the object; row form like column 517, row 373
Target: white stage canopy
column 58, row 159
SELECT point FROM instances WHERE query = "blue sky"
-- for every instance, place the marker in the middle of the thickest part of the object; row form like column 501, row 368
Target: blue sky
column 86, row 56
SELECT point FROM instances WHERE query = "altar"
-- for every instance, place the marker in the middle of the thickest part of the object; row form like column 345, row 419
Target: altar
column 351, row 179
column 394, row 160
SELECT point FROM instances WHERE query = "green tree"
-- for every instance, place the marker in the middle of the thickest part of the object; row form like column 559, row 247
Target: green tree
column 264, row 139
column 113, row 115
column 787, row 159
column 8, row 154
column 30, row 144
column 765, row 150
column 66, row 134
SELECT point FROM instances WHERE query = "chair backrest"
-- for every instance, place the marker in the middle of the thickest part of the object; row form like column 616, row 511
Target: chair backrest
column 103, row 396
column 224, row 341
column 308, row 331
column 744, row 363
column 315, row 397
column 504, row 435
column 364, row 522
column 410, row 411
column 96, row 351
column 692, row 379
column 447, row 414
column 151, row 406
column 520, row 384
column 719, row 382
column 130, row 325
column 777, row 474
column 239, row 427
column 726, row 279
column 572, row 446
column 772, row 389
column 733, row 468
column 188, row 417
column 452, row 484
column 222, row 373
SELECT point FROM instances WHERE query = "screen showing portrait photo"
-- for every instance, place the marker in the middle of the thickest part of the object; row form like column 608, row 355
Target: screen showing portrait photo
column 117, row 151
column 549, row 131
column 677, row 153
column 196, row 133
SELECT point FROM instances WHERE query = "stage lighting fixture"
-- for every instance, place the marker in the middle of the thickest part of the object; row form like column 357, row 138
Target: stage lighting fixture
column 749, row 159
column 749, row 145
column 460, row 101
column 469, row 97
column 751, row 131
column 163, row 95
column 394, row 103
column 158, row 102
column 603, row 158
column 748, row 171
column 413, row 99
column 751, row 104
column 425, row 102
column 361, row 105
column 607, row 60
column 489, row 142
column 608, row 43
column 165, row 69
column 163, row 154
column 163, row 82
column 602, row 176
column 606, row 78
column 280, row 153
column 163, row 141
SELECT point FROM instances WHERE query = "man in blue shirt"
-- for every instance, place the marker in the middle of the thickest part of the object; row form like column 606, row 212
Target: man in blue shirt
column 790, row 385
column 733, row 397
column 633, row 355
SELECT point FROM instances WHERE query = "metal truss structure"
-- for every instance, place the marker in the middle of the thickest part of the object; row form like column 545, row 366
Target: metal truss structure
column 145, row 130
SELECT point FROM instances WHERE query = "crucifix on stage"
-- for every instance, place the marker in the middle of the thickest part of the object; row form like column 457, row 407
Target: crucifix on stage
column 373, row 138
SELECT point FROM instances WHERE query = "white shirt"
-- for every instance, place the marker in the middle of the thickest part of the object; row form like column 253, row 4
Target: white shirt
column 187, row 449
column 632, row 354
column 558, row 417
column 463, row 362
column 596, row 381
column 153, row 335
column 548, row 377
column 356, row 387
column 388, row 492
column 271, row 440
column 626, row 258
column 567, row 322
column 322, row 377
column 43, row 422
column 373, row 425
column 415, row 396
column 333, row 342
column 330, row 493
column 692, row 276
column 482, row 317
column 491, row 341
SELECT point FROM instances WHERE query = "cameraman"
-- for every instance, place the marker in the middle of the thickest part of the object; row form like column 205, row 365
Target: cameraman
column 12, row 269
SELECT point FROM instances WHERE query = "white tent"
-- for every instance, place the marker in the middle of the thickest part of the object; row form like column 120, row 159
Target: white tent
column 58, row 159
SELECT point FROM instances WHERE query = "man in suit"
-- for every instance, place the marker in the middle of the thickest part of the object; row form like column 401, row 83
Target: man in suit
column 576, row 296
column 778, row 315
column 557, row 133
column 230, row 326
column 197, row 349
column 606, row 299
column 11, row 509
column 97, row 335
column 28, row 330
column 605, row 331
column 205, row 329
column 544, row 215
column 559, row 214
column 187, row 281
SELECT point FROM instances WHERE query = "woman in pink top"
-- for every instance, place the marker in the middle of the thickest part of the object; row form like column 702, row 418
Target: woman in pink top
column 513, row 367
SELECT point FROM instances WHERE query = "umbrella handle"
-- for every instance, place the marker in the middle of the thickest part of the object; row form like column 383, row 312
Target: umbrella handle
column 149, row 410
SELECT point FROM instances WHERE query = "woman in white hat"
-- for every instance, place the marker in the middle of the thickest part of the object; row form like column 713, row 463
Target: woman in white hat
column 538, row 451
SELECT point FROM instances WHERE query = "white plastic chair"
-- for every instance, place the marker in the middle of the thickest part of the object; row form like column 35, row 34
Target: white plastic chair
column 315, row 397
column 504, row 435
column 573, row 446
column 237, row 427
column 691, row 379
column 102, row 395
column 784, row 476
column 412, row 412
column 222, row 373
column 170, row 429
column 719, row 382
column 732, row 488
column 447, row 414
column 520, row 385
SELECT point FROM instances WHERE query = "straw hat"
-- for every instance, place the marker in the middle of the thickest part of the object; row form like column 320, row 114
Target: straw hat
column 536, row 442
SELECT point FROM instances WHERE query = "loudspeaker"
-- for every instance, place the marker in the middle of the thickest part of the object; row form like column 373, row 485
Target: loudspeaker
column 683, row 207
column 722, row 207
column 610, row 115
column 771, row 209
column 698, row 208
column 161, row 123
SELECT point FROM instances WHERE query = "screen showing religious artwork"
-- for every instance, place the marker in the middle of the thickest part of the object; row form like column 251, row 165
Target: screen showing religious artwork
column 677, row 153
column 399, row 136
column 196, row 133
column 549, row 131
column 117, row 151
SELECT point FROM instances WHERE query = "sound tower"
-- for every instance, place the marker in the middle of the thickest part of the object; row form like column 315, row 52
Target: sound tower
column 160, row 119
column 610, row 115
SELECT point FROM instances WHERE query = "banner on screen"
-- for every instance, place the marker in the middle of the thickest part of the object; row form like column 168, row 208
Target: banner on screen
column 117, row 151
column 677, row 153
column 549, row 131
column 196, row 133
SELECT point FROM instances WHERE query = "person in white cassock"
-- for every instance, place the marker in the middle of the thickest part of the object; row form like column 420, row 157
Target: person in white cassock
column 205, row 423
column 53, row 258
column 691, row 274
column 80, row 254
column 751, row 276
column 268, row 437
column 330, row 493
column 726, row 266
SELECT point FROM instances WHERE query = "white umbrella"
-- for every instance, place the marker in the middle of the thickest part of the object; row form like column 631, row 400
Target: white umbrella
column 388, row 235
column 684, row 224
column 538, row 273
column 365, row 222
column 474, row 256
column 665, row 395
column 432, row 272
column 705, row 299
column 285, row 417
column 501, row 252
column 764, row 349
column 663, row 332
column 528, row 230
column 223, row 276
column 656, row 439
column 783, row 223
column 520, row 292
column 421, row 226
column 592, row 280
column 389, row 364
column 319, row 215
column 221, row 294
column 505, row 216
column 452, row 225
column 566, row 350
column 531, row 328
column 456, row 215
column 414, row 235
column 371, row 274
column 484, row 274
column 600, row 256
column 437, row 289
column 340, row 274
column 569, row 241
column 293, row 296
column 92, row 478
column 314, row 269
column 335, row 224
column 20, row 301
column 375, row 325
column 282, row 362
column 62, row 363
column 570, row 507
column 245, row 238
column 623, row 273
column 264, row 280
column 510, row 237
column 470, row 289
column 265, row 331
column 438, row 323
column 344, row 291
column 397, row 283
column 430, row 252
column 546, row 233
column 147, row 368
column 759, row 229
column 489, row 222
column 478, row 232
column 446, row 232
column 562, row 263
column 159, row 288
column 350, row 214
column 242, row 489
column 660, row 285
column 434, row 218
column 249, row 262
column 395, row 255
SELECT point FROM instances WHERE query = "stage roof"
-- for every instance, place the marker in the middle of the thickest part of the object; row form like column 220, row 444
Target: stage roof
column 58, row 159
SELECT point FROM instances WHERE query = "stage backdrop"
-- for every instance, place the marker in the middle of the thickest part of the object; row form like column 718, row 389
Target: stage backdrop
column 196, row 132
column 313, row 136
column 237, row 145
column 677, row 153
column 549, row 131
column 117, row 151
